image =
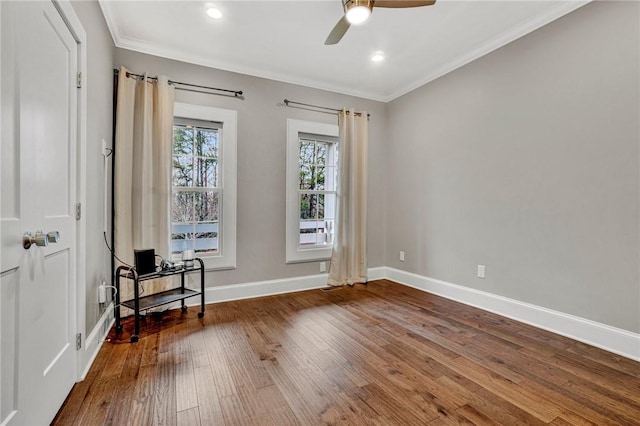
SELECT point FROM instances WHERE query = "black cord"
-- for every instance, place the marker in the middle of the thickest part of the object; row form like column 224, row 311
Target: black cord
column 113, row 253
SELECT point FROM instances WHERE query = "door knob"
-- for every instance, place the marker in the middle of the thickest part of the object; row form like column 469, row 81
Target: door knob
column 40, row 239
column 54, row 236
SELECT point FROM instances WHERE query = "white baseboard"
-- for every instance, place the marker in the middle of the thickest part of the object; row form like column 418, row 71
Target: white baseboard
column 231, row 292
column 612, row 339
column 227, row 293
column 94, row 340
column 378, row 273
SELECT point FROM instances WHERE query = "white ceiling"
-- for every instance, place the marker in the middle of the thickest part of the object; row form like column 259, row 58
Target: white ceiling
column 284, row 40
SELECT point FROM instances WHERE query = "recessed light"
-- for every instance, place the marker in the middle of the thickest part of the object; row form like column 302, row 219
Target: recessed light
column 214, row 13
column 377, row 57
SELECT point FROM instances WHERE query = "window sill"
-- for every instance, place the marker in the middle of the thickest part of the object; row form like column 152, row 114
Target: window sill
column 308, row 255
column 213, row 263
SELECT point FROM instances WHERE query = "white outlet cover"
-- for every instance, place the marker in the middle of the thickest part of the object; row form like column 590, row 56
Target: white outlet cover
column 102, row 293
column 481, row 271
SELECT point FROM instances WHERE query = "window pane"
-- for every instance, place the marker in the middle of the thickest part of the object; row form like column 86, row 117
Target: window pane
column 315, row 233
column 306, row 152
column 207, row 143
column 207, row 206
column 312, row 177
column 206, row 172
column 181, row 237
column 321, row 198
column 305, row 177
column 182, row 171
column 328, row 206
column 308, row 206
column 308, row 232
column 182, row 140
column 206, row 238
column 321, row 153
column 319, row 178
column 183, row 206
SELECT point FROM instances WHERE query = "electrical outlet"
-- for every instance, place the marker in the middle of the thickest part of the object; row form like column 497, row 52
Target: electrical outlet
column 480, row 271
column 323, row 266
column 401, row 256
column 102, row 292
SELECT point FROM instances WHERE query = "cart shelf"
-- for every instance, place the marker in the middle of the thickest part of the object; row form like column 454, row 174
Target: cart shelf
column 161, row 298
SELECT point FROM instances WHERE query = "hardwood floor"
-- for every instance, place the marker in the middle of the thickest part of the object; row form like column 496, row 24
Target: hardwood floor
column 381, row 354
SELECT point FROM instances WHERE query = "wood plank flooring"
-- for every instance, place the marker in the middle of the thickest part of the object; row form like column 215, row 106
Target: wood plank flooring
column 380, row 354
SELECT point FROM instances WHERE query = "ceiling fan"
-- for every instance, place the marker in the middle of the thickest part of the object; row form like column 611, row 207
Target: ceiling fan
column 358, row 11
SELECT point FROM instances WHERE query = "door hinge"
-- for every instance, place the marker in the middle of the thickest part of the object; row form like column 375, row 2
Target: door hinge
column 78, row 211
column 79, row 80
column 78, row 341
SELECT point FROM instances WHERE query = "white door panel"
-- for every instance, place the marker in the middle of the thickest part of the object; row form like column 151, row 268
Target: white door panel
column 37, row 298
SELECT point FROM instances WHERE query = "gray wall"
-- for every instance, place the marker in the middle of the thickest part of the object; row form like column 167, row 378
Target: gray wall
column 261, row 161
column 527, row 161
column 99, row 83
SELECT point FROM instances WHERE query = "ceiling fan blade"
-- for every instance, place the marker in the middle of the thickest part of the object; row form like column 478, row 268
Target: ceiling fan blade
column 338, row 31
column 403, row 3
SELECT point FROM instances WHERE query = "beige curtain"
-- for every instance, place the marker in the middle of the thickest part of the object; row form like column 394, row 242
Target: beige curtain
column 349, row 254
column 144, row 128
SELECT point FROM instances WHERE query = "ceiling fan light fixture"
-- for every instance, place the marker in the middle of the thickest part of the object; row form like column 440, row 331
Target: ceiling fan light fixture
column 358, row 11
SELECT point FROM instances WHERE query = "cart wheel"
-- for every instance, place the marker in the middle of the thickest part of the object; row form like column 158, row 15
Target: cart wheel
column 134, row 338
column 200, row 314
column 184, row 309
column 118, row 329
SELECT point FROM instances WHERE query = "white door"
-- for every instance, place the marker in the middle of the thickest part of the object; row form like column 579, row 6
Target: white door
column 38, row 169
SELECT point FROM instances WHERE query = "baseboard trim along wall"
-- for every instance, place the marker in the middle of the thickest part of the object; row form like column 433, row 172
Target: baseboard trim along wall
column 94, row 340
column 227, row 293
column 612, row 339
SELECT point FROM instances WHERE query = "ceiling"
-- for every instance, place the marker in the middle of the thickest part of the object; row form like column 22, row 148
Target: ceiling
column 284, row 40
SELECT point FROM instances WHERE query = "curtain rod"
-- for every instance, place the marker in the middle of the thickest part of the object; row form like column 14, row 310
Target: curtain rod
column 192, row 87
column 335, row 110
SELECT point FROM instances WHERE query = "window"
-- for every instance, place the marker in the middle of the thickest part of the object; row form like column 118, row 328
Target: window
column 195, row 213
column 312, row 176
column 203, row 199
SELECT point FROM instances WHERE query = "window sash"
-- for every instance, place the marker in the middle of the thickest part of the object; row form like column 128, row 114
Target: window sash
column 194, row 239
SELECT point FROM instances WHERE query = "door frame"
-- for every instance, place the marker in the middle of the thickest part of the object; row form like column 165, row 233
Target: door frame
column 72, row 21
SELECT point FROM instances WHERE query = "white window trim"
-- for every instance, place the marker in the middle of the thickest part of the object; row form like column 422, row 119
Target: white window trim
column 295, row 254
column 226, row 259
